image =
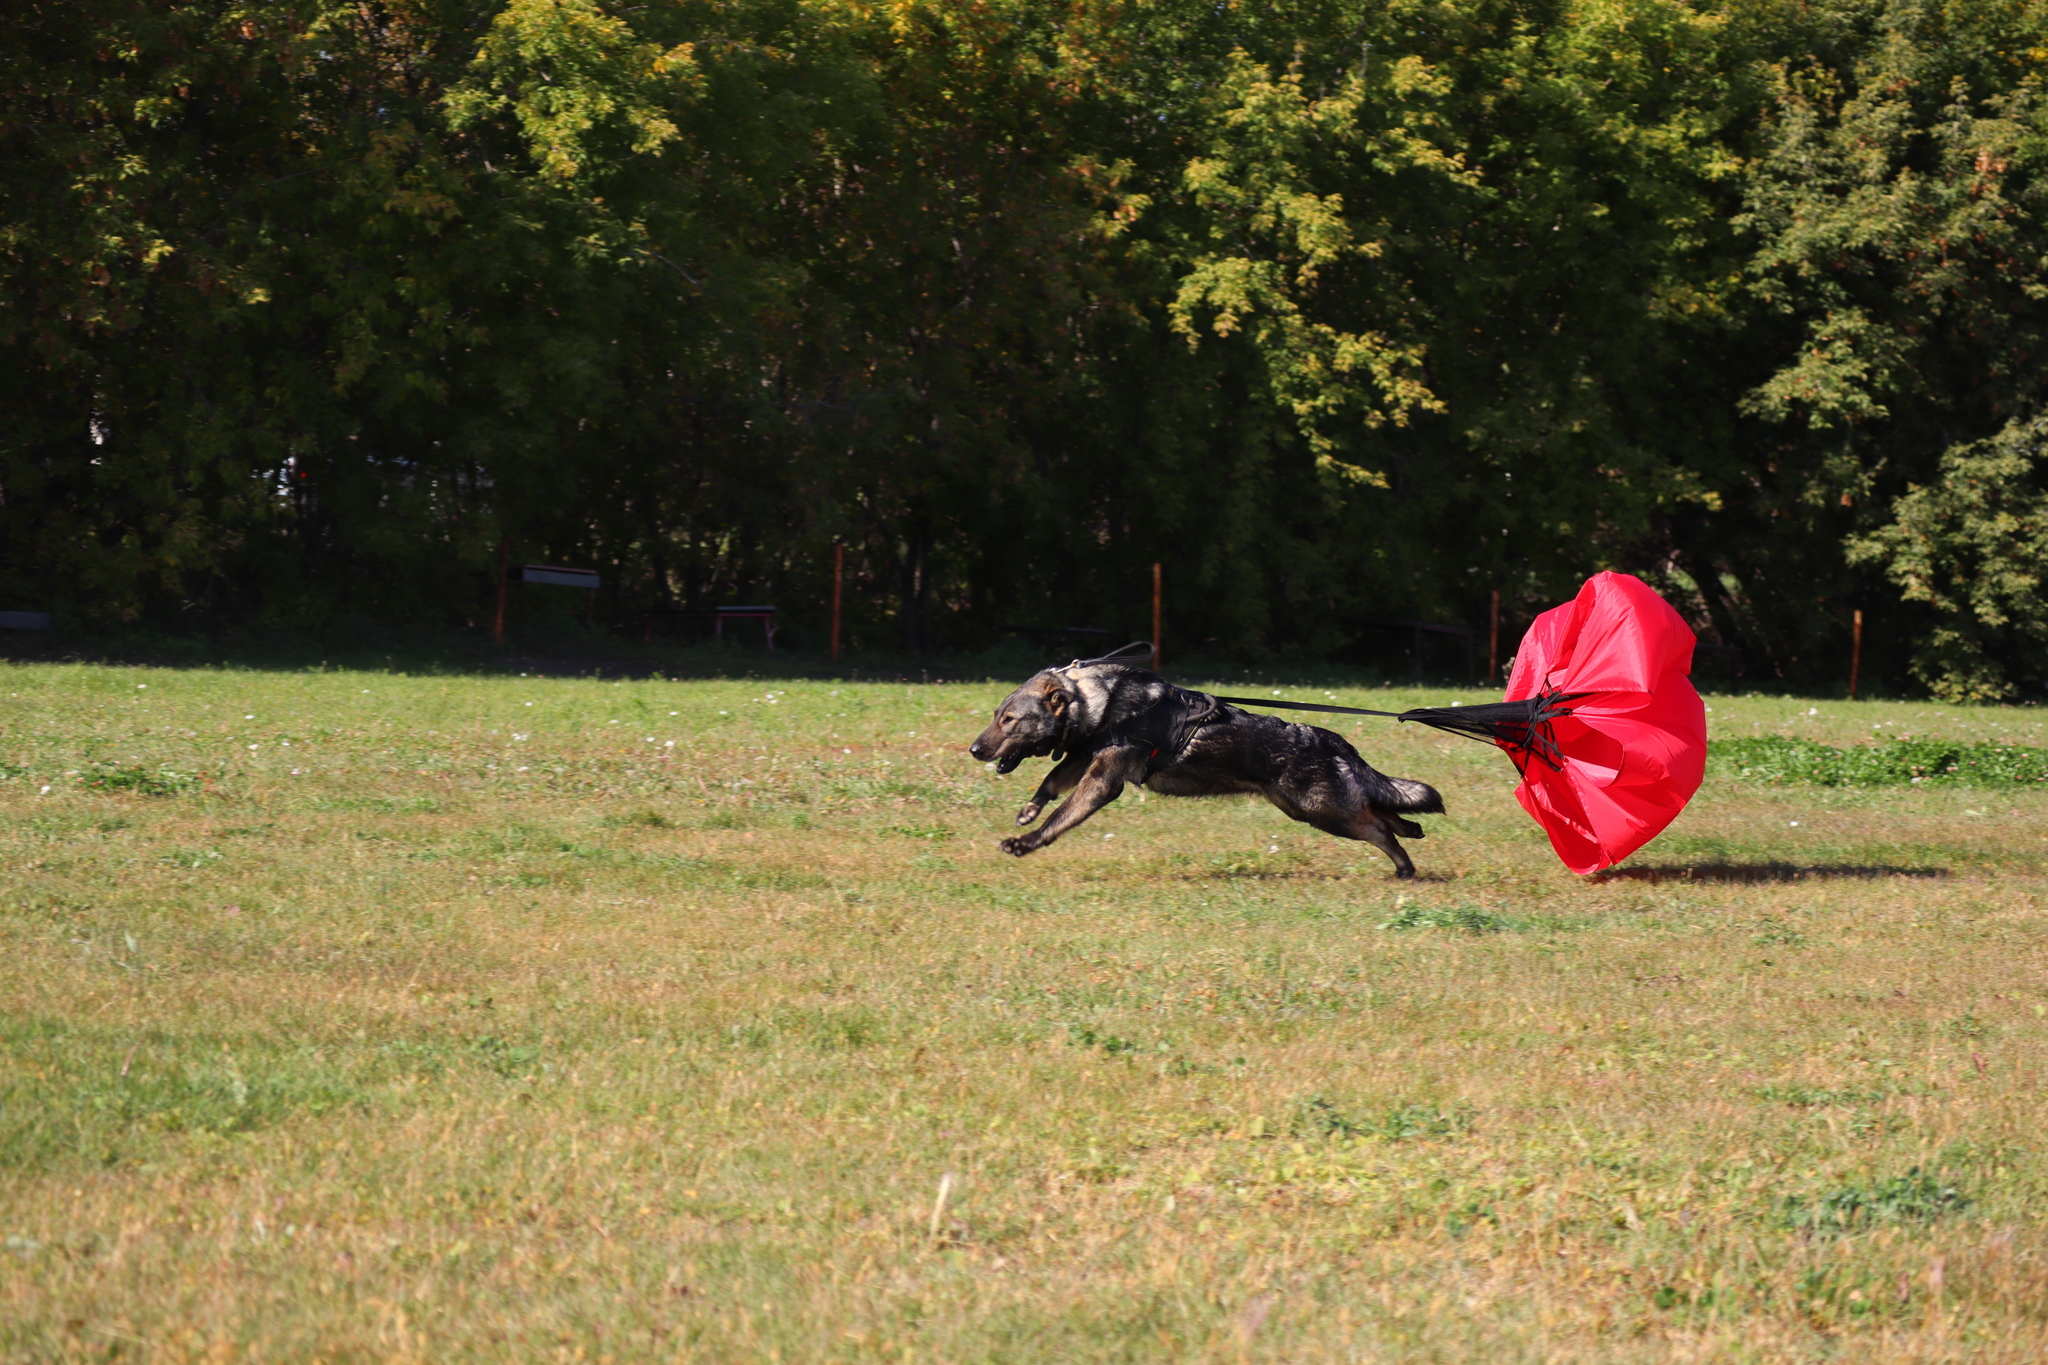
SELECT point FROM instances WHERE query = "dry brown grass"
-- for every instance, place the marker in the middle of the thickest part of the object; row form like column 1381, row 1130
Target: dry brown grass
column 578, row 1046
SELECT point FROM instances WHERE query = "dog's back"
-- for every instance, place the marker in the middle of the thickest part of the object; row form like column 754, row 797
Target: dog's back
column 1249, row 749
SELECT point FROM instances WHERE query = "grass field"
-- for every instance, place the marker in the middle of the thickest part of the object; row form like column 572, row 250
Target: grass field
column 369, row 1017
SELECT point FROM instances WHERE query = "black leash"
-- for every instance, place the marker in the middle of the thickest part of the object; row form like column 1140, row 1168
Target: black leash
column 1310, row 706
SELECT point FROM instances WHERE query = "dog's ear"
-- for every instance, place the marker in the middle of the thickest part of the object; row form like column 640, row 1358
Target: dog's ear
column 1055, row 699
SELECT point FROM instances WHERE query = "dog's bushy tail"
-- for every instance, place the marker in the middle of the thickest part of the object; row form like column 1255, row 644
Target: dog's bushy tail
column 1406, row 794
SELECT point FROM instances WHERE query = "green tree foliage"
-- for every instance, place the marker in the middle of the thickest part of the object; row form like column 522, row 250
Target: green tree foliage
column 1895, row 203
column 1342, row 310
column 1974, row 546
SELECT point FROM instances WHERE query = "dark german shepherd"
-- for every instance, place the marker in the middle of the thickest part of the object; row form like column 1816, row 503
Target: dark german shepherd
column 1110, row 723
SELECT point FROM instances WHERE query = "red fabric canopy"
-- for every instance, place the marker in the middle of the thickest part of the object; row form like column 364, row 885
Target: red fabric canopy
column 1635, row 744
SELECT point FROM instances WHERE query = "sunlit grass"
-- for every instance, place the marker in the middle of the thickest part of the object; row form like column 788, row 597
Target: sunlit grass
column 380, row 1017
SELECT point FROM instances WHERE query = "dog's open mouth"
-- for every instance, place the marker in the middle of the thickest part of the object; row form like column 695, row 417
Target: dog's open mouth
column 1007, row 762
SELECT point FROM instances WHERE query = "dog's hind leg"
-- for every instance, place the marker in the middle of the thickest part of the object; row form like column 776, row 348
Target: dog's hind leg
column 1063, row 778
column 1377, row 830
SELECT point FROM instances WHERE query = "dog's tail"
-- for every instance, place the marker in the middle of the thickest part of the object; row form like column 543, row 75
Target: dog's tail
column 1406, row 794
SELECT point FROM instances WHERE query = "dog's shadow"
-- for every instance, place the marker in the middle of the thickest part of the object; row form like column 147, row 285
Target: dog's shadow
column 1727, row 873
column 1310, row 874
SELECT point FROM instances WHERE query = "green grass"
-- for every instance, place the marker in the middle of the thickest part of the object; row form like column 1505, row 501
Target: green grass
column 356, row 1016
column 1888, row 763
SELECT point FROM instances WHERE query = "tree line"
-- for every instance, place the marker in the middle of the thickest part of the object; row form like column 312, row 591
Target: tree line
column 1341, row 310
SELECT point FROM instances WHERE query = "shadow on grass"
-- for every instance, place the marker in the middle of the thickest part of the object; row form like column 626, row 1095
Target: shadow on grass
column 1765, row 872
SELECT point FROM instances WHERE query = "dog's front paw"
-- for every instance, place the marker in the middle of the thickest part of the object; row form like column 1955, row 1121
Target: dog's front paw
column 1019, row 846
column 1029, row 813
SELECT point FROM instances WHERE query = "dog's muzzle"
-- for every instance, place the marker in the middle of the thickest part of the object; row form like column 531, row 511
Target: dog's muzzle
column 1005, row 762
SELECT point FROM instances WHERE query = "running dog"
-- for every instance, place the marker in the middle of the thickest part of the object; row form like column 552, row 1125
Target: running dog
column 1107, row 723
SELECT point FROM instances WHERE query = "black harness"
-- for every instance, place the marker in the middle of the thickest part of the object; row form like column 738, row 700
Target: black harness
column 1165, row 728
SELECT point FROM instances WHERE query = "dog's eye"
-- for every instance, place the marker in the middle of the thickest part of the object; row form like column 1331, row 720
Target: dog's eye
column 1009, row 720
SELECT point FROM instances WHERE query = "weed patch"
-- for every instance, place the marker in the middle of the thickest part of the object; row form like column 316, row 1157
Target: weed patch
column 1915, row 1197
column 822, row 1030
column 1777, row 935
column 1080, row 1035
column 1469, row 919
column 162, row 780
column 191, row 859
column 1317, row 1116
column 1671, row 1296
column 1814, row 1096
column 639, row 819
column 726, row 819
column 1968, row 1028
column 506, row 1059
column 1889, row 763
column 387, row 805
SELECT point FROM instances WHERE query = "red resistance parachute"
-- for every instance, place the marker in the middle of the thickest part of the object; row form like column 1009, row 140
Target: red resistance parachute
column 1629, row 737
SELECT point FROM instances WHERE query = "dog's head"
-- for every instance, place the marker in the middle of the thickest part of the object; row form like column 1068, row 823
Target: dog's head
column 1032, row 722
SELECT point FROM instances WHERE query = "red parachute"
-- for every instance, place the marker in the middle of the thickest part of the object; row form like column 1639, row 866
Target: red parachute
column 1609, row 676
